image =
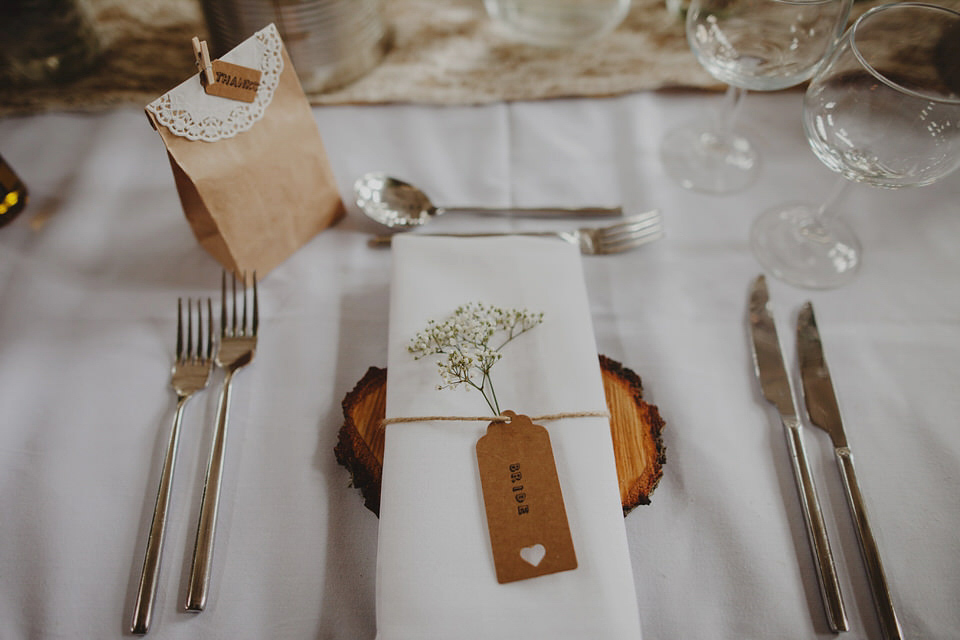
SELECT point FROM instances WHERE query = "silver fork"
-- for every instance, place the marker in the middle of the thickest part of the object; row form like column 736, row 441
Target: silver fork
column 632, row 232
column 237, row 347
column 191, row 371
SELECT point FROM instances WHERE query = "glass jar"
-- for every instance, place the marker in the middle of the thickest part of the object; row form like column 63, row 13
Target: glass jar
column 331, row 42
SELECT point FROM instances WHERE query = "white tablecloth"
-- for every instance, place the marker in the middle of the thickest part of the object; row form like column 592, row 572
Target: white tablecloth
column 87, row 327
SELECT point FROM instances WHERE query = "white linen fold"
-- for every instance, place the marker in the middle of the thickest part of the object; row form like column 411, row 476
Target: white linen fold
column 435, row 572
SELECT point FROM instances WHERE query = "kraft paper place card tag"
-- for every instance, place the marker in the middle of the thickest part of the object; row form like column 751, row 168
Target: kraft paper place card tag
column 233, row 81
column 225, row 79
column 248, row 161
column 527, row 520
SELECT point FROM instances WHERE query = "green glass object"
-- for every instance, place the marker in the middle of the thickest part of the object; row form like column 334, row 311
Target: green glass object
column 13, row 194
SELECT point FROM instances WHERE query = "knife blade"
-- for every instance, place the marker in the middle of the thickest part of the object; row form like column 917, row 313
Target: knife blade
column 824, row 412
column 772, row 374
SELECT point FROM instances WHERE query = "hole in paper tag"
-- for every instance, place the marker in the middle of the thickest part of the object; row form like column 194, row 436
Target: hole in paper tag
column 533, row 555
column 526, row 517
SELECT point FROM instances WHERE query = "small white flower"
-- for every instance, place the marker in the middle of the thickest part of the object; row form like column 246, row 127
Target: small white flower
column 465, row 339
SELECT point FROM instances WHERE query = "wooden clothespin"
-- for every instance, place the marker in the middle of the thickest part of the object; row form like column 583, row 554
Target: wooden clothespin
column 202, row 55
column 225, row 79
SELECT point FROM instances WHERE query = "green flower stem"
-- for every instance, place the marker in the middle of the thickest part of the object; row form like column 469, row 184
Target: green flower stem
column 496, row 404
column 483, row 392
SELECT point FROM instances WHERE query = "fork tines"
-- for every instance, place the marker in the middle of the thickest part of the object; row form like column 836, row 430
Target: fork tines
column 255, row 321
column 631, row 233
column 187, row 352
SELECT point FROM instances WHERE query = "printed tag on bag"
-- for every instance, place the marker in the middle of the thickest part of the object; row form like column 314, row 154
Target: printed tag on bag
column 529, row 532
column 233, row 81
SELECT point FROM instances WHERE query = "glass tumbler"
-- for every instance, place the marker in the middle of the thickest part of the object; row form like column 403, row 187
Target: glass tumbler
column 557, row 23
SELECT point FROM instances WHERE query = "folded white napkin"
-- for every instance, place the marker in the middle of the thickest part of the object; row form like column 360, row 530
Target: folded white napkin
column 435, row 571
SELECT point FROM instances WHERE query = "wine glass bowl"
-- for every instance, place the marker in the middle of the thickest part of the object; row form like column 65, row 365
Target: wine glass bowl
column 763, row 45
column 883, row 110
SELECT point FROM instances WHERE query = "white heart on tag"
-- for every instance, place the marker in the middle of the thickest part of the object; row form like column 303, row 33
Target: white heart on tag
column 533, row 555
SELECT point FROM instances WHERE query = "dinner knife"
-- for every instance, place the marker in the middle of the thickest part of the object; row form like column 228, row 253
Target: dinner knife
column 824, row 412
column 772, row 374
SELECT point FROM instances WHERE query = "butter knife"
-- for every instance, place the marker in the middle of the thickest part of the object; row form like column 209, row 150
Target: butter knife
column 824, row 412
column 772, row 374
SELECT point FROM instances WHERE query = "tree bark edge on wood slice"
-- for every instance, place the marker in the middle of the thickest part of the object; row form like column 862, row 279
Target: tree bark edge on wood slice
column 635, row 426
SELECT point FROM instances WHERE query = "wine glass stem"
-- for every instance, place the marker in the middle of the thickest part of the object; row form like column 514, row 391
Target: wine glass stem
column 828, row 211
column 729, row 110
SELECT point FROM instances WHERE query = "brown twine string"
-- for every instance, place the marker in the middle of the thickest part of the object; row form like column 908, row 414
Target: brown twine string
column 549, row 416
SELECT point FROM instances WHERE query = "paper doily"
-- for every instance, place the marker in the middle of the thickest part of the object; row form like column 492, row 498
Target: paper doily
column 187, row 111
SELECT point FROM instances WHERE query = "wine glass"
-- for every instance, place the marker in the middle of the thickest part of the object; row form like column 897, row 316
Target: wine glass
column 883, row 110
column 763, row 45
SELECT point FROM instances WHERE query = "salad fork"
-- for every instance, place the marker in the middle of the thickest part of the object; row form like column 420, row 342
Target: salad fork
column 236, row 350
column 632, row 232
column 191, row 371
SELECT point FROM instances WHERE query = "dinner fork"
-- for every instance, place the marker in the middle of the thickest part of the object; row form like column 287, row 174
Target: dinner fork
column 632, row 232
column 191, row 371
column 236, row 350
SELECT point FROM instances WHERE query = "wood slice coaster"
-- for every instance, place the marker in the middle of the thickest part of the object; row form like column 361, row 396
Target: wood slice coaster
column 636, row 428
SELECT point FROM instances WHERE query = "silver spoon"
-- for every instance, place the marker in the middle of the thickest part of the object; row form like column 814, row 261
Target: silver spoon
column 402, row 206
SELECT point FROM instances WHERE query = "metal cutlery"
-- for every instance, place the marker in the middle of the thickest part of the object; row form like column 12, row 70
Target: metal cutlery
column 402, row 206
column 236, row 350
column 632, row 232
column 824, row 413
column 772, row 374
column 191, row 371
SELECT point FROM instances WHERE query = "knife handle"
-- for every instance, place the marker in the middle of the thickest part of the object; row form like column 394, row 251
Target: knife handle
column 816, row 530
column 537, row 212
column 889, row 624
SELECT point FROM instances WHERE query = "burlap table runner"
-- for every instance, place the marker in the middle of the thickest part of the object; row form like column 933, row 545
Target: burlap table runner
column 444, row 52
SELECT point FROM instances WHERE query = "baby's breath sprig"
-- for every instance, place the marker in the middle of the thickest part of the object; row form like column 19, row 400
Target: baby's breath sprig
column 465, row 339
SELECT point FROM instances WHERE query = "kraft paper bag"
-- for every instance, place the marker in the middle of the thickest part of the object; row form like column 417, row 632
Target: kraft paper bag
column 253, row 177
